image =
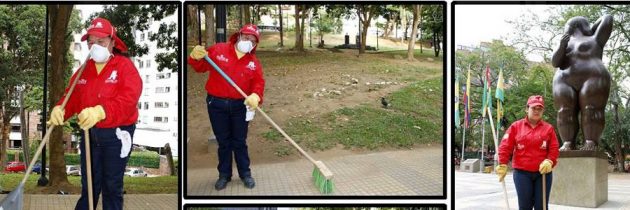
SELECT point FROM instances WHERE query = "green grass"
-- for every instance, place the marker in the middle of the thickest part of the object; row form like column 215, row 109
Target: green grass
column 415, row 117
column 132, row 185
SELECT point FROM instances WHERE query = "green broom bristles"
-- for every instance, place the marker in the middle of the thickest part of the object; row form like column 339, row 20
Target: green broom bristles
column 324, row 185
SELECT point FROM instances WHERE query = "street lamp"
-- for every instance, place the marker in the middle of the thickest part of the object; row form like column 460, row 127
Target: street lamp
column 43, row 181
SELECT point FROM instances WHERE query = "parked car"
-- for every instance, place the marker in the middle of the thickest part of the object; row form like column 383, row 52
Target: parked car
column 135, row 172
column 37, row 168
column 15, row 166
column 73, row 170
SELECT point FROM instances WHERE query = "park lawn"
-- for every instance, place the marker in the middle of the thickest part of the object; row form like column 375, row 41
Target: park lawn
column 415, row 117
column 133, row 185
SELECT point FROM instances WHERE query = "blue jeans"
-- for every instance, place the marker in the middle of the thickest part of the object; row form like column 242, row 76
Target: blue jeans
column 108, row 168
column 529, row 189
column 227, row 117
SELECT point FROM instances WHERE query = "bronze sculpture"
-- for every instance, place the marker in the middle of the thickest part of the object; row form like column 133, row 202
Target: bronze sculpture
column 582, row 83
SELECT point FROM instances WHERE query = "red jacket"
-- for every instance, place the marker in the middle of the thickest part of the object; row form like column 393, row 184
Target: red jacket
column 528, row 145
column 117, row 88
column 245, row 72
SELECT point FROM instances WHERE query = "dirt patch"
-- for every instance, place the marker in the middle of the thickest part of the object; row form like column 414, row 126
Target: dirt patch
column 322, row 82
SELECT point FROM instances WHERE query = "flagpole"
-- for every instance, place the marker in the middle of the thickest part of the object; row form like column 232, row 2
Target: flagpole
column 483, row 134
column 463, row 146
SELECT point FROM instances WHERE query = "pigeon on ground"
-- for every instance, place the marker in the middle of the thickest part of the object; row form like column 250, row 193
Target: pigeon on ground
column 385, row 103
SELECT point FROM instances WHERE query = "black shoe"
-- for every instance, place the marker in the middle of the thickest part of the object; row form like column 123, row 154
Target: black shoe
column 222, row 183
column 249, row 182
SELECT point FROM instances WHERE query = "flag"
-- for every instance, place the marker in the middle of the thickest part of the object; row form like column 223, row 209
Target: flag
column 500, row 95
column 456, row 102
column 466, row 101
column 487, row 92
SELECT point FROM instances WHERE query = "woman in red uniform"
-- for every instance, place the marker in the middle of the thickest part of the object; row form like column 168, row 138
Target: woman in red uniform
column 533, row 145
column 226, row 107
column 105, row 99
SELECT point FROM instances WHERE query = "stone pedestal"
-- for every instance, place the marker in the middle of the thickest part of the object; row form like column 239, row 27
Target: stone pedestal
column 470, row 165
column 580, row 179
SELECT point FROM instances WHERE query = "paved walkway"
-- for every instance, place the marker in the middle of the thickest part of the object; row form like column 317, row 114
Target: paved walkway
column 408, row 172
column 483, row 191
column 132, row 201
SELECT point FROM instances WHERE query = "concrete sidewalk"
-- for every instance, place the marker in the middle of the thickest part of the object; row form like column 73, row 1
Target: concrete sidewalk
column 407, row 172
column 132, row 201
column 483, row 191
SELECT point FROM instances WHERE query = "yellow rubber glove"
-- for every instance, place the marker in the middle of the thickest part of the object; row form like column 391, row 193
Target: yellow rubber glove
column 545, row 167
column 90, row 116
column 501, row 170
column 198, row 52
column 56, row 116
column 252, row 100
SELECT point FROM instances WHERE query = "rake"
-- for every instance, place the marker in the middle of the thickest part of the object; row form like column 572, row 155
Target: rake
column 322, row 176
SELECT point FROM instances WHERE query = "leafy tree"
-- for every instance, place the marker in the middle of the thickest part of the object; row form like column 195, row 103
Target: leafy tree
column 325, row 23
column 129, row 18
column 21, row 52
column 432, row 19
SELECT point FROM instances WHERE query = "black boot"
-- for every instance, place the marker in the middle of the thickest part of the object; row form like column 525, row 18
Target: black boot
column 222, row 183
column 249, row 182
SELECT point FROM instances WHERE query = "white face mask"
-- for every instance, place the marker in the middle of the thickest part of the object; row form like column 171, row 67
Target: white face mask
column 99, row 53
column 245, row 46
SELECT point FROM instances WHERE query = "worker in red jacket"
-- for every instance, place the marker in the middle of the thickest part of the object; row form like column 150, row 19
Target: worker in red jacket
column 226, row 107
column 105, row 99
column 533, row 146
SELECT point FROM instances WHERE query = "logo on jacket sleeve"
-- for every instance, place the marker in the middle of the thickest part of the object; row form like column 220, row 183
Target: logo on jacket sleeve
column 251, row 66
column 112, row 77
column 544, row 145
column 222, row 58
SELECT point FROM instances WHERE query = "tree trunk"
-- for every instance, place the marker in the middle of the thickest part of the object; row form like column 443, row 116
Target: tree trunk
column 210, row 25
column 281, row 26
column 3, row 145
column 365, row 16
column 193, row 26
column 169, row 159
column 299, row 39
column 247, row 15
column 23, row 126
column 417, row 10
column 619, row 156
column 403, row 23
column 59, row 18
column 436, row 43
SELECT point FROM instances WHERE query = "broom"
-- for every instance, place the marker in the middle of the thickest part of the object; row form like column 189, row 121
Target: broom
column 322, row 176
column 496, row 148
column 14, row 199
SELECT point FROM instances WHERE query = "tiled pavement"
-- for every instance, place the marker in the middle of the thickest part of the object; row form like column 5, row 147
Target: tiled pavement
column 407, row 172
column 132, row 201
column 476, row 191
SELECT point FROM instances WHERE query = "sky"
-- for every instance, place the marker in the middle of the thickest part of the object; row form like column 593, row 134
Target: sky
column 483, row 23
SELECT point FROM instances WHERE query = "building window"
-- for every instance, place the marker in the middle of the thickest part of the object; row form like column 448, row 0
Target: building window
column 161, row 104
column 146, row 105
column 162, row 89
column 146, row 78
column 139, row 105
column 15, row 128
column 150, row 34
column 140, row 64
column 77, row 46
column 160, row 119
column 142, row 37
column 148, row 63
column 163, row 75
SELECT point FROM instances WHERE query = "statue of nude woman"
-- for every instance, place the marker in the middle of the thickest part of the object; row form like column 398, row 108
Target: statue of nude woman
column 581, row 84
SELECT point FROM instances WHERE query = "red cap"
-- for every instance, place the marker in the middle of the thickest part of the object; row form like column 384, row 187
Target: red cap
column 536, row 100
column 251, row 29
column 101, row 27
